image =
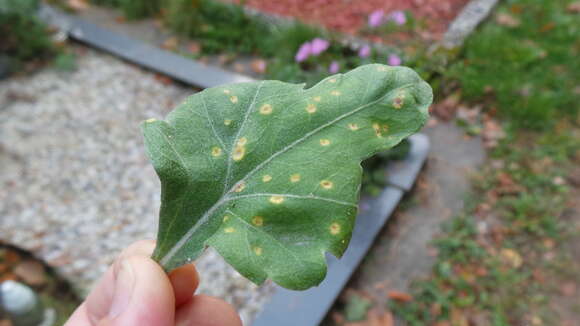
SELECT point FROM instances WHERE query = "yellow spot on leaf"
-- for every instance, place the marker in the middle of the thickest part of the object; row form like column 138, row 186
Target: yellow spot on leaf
column 295, row 177
column 229, row 230
column 266, row 109
column 332, row 80
column 226, row 218
column 227, row 122
column 226, row 91
column 399, row 101
column 267, row 178
column 377, row 129
column 150, row 120
column 335, row 93
column 317, row 98
column 276, row 200
column 382, row 68
column 311, row 108
column 234, row 99
column 334, row 228
column 326, row 184
column 324, row 142
column 258, row 251
column 258, row 221
column 385, row 127
column 239, row 152
column 242, row 141
column 353, row 126
column 240, row 187
column 216, row 151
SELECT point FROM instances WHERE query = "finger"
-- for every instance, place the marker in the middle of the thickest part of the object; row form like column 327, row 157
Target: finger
column 204, row 310
column 140, row 248
column 99, row 300
column 142, row 295
column 184, row 281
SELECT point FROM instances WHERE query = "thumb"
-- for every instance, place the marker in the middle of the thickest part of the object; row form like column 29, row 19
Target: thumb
column 135, row 291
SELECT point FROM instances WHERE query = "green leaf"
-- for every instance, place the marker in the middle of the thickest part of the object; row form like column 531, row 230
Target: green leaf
column 268, row 173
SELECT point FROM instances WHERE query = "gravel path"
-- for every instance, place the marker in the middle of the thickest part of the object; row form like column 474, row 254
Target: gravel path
column 75, row 184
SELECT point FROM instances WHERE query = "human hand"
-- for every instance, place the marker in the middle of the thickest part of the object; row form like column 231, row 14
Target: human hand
column 135, row 291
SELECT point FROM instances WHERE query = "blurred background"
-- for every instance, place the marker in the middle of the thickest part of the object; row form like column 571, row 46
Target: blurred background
column 490, row 234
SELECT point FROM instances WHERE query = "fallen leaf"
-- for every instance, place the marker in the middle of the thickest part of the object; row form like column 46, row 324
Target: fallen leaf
column 548, row 27
column 507, row 20
column 511, row 257
column 400, row 296
column 507, row 186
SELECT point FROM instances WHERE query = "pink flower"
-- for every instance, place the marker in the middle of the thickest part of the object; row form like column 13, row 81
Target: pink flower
column 334, row 67
column 376, row 17
column 303, row 52
column 398, row 17
column 364, row 52
column 394, row 60
column 318, row 46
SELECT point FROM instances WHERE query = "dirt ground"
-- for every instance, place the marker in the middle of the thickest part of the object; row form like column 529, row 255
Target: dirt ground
column 350, row 16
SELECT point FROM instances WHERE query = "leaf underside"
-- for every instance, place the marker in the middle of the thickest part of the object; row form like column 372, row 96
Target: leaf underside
column 268, row 173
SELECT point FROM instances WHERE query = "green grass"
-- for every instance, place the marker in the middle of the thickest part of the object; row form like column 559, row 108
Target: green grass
column 471, row 274
column 528, row 76
column 24, row 37
column 530, row 72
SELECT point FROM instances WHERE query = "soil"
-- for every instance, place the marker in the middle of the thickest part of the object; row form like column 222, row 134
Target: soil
column 21, row 266
column 349, row 16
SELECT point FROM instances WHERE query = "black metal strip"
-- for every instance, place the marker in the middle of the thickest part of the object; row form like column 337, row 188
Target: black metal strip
column 165, row 62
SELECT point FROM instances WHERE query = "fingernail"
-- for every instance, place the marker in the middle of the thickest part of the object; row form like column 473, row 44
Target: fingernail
column 124, row 284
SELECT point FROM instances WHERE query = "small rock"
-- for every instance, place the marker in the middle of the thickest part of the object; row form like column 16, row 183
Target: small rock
column 31, row 272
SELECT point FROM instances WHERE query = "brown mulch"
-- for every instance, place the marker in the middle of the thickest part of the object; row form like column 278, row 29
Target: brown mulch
column 349, row 16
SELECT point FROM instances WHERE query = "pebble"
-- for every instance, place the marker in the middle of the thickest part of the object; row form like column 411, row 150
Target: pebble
column 75, row 184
